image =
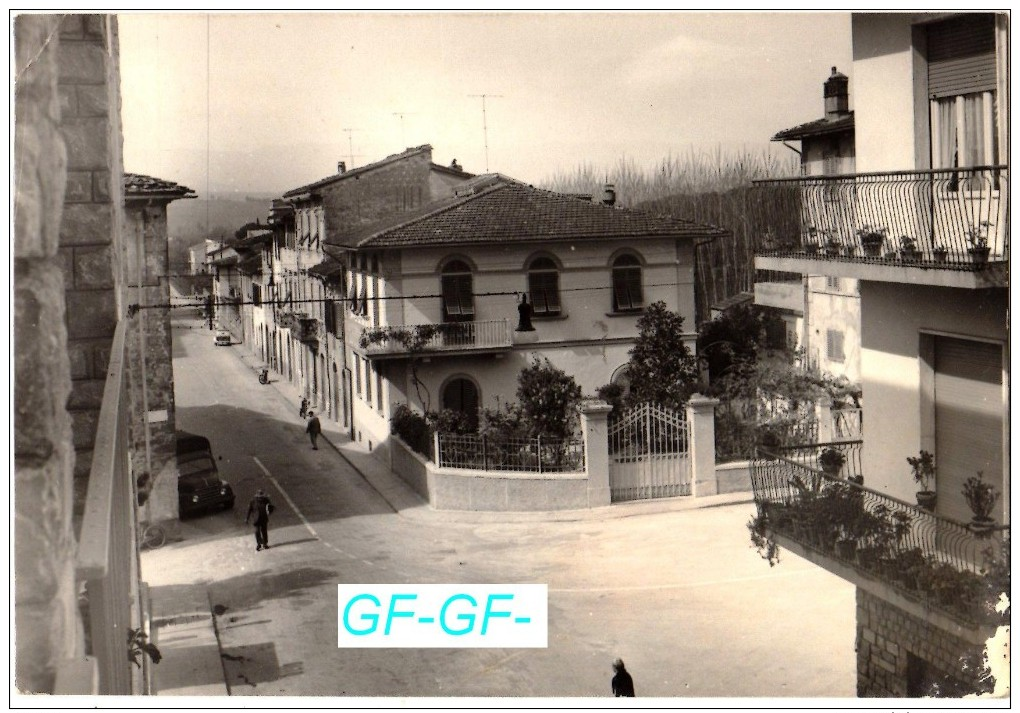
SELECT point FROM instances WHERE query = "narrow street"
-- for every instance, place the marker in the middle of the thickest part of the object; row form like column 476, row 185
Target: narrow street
column 680, row 596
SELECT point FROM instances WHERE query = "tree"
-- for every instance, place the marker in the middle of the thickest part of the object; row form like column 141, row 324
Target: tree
column 662, row 368
column 549, row 398
column 739, row 335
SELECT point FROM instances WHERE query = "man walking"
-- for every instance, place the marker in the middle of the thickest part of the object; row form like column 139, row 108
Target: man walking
column 259, row 508
column 313, row 429
column 623, row 684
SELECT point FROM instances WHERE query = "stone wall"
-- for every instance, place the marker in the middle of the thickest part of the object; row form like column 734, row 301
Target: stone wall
column 901, row 655
column 149, row 356
column 90, row 125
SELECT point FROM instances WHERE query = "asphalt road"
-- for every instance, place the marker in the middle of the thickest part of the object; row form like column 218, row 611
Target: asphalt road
column 681, row 597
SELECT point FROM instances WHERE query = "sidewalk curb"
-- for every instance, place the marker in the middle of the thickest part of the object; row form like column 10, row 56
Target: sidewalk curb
column 409, row 504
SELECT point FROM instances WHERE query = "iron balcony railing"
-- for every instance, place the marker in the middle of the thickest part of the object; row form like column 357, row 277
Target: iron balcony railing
column 107, row 557
column 948, row 218
column 526, row 455
column 436, row 337
column 928, row 558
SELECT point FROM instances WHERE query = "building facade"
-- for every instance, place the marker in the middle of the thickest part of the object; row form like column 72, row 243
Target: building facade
column 433, row 305
column 927, row 215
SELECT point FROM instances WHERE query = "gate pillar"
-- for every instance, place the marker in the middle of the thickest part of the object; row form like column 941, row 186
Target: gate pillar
column 701, row 425
column 595, row 427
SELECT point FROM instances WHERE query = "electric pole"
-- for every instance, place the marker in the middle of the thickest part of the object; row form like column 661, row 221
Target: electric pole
column 350, row 147
column 485, row 124
column 402, row 114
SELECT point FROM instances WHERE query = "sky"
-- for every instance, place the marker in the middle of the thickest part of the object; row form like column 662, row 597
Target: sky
column 261, row 103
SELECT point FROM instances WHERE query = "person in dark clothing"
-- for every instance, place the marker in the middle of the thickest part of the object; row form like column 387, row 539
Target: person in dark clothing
column 524, row 315
column 304, row 407
column 313, row 429
column 259, row 508
column 623, row 684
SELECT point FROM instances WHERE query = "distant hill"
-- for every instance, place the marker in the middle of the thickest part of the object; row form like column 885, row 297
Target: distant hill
column 194, row 220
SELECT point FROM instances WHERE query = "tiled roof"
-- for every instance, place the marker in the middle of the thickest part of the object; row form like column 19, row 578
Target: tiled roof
column 501, row 209
column 137, row 185
column 818, row 127
column 357, row 171
column 733, row 301
column 326, row 269
column 450, row 170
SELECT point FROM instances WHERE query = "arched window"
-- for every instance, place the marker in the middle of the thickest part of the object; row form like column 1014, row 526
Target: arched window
column 458, row 301
column 627, row 296
column 461, row 395
column 544, row 287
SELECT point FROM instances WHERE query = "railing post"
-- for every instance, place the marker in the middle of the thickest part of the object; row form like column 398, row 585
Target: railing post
column 485, row 454
column 701, row 448
column 594, row 431
column 435, row 449
column 539, row 439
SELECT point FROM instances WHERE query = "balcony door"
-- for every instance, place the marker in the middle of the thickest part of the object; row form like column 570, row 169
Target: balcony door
column 458, row 289
column 969, row 415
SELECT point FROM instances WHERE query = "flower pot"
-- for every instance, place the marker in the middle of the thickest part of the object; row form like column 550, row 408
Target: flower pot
column 979, row 255
column 846, row 549
column 926, row 499
column 910, row 255
column 811, row 248
column 831, row 468
column 941, row 255
column 856, row 479
column 982, row 526
column 873, row 249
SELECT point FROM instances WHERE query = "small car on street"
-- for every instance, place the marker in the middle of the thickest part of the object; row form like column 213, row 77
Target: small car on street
column 199, row 486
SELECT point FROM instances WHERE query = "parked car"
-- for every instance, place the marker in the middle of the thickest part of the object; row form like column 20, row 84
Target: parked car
column 199, row 486
column 223, row 339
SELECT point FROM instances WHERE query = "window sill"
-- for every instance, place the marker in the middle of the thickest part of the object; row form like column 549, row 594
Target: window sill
column 548, row 317
column 628, row 313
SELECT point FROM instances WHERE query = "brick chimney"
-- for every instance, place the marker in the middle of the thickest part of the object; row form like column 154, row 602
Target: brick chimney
column 341, row 167
column 837, row 95
column 609, row 194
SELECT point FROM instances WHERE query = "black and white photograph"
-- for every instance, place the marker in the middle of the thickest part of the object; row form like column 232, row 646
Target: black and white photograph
column 509, row 359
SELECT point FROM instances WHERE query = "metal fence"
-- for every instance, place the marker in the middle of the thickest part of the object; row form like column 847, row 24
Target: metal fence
column 107, row 558
column 935, row 560
column 530, row 455
column 936, row 216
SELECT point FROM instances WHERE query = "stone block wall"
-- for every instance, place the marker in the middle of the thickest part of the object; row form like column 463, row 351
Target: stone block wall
column 901, row 655
column 88, row 93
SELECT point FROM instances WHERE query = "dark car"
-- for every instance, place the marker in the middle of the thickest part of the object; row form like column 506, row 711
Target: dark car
column 199, row 486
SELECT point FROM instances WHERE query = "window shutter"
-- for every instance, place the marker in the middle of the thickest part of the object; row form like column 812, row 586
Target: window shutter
column 451, row 300
column 467, row 300
column 634, row 287
column 961, row 55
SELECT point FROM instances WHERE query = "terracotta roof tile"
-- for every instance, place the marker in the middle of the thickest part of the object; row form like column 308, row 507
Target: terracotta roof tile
column 818, row 127
column 501, row 209
column 137, row 185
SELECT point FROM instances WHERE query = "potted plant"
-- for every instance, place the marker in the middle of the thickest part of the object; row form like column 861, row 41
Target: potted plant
column 981, row 498
column 871, row 240
column 923, row 470
column 940, row 252
column 908, row 249
column 977, row 236
column 831, row 460
column 811, row 241
column 832, row 247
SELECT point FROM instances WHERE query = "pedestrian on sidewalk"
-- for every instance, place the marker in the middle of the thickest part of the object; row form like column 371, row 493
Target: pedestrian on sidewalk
column 623, row 684
column 313, row 429
column 260, row 507
column 303, row 411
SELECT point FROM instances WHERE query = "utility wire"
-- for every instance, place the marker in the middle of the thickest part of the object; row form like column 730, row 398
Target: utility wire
column 317, row 300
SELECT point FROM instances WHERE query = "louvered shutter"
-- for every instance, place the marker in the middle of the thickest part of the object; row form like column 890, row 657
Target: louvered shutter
column 961, row 55
column 969, row 413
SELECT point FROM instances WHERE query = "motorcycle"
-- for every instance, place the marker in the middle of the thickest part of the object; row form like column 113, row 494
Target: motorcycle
column 264, row 376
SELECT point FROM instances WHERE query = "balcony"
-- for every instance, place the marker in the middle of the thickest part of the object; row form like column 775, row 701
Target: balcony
column 107, row 559
column 406, row 340
column 306, row 329
column 928, row 565
column 943, row 227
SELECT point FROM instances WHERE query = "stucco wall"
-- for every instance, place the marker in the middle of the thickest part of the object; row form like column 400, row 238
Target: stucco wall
column 892, row 317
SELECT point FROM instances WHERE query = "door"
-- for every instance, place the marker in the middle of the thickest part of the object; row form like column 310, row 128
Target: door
column 969, row 419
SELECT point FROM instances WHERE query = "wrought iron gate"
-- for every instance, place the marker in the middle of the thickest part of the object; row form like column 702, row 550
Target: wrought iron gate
column 649, row 454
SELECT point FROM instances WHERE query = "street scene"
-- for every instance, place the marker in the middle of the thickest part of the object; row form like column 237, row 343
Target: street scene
column 536, row 358
column 678, row 594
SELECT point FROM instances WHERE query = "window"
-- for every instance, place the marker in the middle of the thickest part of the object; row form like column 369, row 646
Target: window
column 457, row 288
column 832, row 283
column 363, row 296
column 961, row 86
column 375, row 300
column 834, row 345
column 544, row 287
column 256, row 295
column 352, row 295
column 357, row 374
column 461, row 395
column 378, row 387
column 329, row 317
column 368, row 382
column 627, row 295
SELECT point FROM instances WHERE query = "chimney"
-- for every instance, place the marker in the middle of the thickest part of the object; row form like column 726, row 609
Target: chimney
column 837, row 95
column 609, row 195
column 341, row 167
column 455, row 166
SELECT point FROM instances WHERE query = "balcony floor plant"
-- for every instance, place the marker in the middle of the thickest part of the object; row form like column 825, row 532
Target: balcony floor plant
column 922, row 468
column 981, row 498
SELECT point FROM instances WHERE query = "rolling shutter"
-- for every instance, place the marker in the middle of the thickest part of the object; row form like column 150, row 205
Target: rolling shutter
column 961, row 55
column 969, row 414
